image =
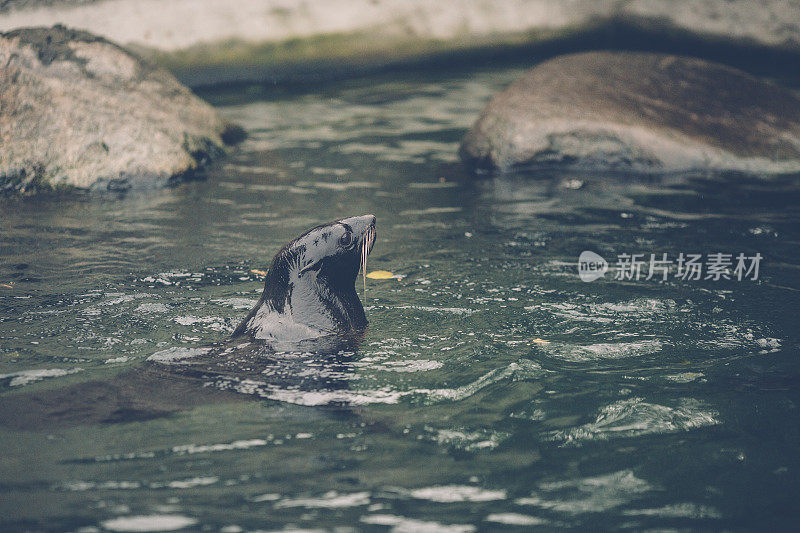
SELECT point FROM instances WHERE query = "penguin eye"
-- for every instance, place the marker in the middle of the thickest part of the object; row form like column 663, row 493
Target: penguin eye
column 346, row 239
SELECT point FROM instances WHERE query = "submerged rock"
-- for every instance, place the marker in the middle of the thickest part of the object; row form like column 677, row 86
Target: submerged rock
column 640, row 112
column 79, row 111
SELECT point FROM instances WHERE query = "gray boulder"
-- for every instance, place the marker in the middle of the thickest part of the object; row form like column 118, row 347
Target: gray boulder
column 209, row 41
column 79, row 111
column 640, row 112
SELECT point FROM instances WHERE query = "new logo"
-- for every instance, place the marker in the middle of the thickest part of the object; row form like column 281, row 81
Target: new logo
column 591, row 266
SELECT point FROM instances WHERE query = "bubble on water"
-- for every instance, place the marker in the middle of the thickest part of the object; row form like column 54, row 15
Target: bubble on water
column 634, row 417
column 589, row 494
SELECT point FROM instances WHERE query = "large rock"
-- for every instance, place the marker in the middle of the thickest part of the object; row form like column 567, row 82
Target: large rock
column 208, row 41
column 79, row 111
column 640, row 112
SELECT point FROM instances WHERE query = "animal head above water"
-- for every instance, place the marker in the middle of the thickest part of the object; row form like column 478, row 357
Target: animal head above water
column 310, row 289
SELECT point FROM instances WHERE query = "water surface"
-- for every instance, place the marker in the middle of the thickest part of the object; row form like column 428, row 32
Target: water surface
column 494, row 389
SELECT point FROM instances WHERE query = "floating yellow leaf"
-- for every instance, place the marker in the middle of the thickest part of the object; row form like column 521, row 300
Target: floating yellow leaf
column 259, row 272
column 380, row 274
column 540, row 341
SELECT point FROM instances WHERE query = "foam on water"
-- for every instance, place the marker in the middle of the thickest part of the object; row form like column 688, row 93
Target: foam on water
column 353, row 394
column 179, row 450
column 329, row 500
column 457, row 493
column 414, row 365
column 634, row 417
column 453, row 310
column 213, row 323
column 152, row 308
column 515, row 519
column 311, row 398
column 685, row 377
column 177, row 355
column 402, row 524
column 593, row 352
column 464, row 439
column 678, row 510
column 522, row 369
column 149, row 523
column 588, row 495
column 80, row 486
column 25, row 377
column 237, row 303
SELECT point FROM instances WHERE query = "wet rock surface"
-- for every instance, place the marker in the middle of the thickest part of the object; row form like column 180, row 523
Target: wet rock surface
column 253, row 40
column 79, row 111
column 638, row 112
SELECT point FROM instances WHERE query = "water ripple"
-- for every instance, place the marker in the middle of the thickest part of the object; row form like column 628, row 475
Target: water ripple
column 634, row 417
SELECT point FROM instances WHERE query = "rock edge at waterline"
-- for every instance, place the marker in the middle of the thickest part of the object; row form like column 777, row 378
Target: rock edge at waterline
column 78, row 111
column 640, row 112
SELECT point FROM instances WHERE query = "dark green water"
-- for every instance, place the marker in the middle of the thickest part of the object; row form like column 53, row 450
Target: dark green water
column 494, row 390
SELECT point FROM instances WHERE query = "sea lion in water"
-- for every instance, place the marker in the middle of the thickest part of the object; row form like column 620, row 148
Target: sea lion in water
column 309, row 291
column 309, row 309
